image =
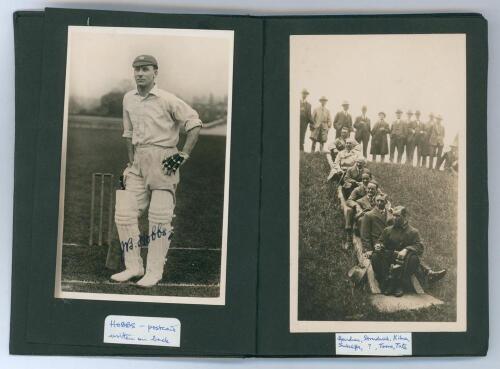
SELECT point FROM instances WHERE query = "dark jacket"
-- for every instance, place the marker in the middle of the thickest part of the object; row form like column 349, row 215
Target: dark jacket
column 372, row 225
column 305, row 113
column 411, row 131
column 396, row 239
column 364, row 205
column 363, row 128
column 342, row 120
column 379, row 138
column 354, row 174
column 398, row 129
column 436, row 137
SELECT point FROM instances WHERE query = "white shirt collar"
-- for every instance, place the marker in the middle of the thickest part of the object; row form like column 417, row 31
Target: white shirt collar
column 153, row 91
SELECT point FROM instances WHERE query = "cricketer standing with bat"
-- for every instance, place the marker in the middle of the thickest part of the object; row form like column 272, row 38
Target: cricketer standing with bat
column 152, row 119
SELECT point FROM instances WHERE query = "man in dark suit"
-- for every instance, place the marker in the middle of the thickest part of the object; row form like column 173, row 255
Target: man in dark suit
column 342, row 119
column 398, row 137
column 396, row 256
column 355, row 210
column 362, row 126
column 374, row 222
column 305, row 117
column 354, row 175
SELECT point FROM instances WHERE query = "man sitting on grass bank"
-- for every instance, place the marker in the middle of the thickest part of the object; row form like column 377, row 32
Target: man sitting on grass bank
column 344, row 160
column 396, row 257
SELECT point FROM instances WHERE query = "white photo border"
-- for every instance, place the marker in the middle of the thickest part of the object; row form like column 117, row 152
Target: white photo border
column 302, row 326
column 221, row 299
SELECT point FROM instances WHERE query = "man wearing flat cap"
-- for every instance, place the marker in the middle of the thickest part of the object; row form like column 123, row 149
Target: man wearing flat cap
column 152, row 119
column 398, row 137
column 322, row 123
column 362, row 126
column 305, row 117
column 436, row 141
column 396, row 256
column 342, row 119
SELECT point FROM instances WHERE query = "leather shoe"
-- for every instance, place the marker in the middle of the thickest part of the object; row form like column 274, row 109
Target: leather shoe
column 435, row 276
column 398, row 292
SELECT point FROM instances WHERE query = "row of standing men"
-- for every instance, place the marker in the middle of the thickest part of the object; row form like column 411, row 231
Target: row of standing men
column 409, row 135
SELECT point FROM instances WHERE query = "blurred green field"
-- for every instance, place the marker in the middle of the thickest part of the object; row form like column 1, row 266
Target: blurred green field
column 325, row 292
column 99, row 147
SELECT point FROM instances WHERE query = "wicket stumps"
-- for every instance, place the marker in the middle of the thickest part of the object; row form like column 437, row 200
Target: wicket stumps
column 99, row 181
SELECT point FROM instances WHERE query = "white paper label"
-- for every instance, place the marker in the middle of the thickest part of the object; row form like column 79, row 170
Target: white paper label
column 373, row 344
column 142, row 330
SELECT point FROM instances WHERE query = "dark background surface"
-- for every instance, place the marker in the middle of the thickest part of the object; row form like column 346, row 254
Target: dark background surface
column 273, row 327
column 273, row 334
column 206, row 330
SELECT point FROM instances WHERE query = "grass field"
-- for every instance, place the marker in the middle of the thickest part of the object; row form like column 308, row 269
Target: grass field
column 193, row 265
column 325, row 292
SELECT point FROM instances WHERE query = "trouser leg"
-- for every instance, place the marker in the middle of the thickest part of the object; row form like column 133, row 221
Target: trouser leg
column 439, row 155
column 365, row 146
column 303, row 128
column 410, row 150
column 129, row 204
column 411, row 267
column 401, row 149
column 161, row 211
column 392, row 149
column 440, row 161
column 419, row 154
column 432, row 153
column 380, row 266
column 374, row 157
column 348, row 215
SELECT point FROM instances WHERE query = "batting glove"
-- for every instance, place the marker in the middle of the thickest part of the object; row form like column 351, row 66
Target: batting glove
column 172, row 163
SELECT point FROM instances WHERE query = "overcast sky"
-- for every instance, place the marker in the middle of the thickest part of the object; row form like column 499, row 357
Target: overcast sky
column 191, row 62
column 384, row 72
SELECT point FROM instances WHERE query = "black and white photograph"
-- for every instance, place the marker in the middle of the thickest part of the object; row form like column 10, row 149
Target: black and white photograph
column 145, row 165
column 378, row 183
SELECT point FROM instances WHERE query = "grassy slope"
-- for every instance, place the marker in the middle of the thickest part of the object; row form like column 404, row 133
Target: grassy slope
column 325, row 292
column 198, row 221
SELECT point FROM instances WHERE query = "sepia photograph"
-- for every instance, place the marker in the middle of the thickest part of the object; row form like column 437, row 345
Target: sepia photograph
column 378, row 183
column 145, row 165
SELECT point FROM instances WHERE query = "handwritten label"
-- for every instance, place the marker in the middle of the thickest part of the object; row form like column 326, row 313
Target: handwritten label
column 142, row 330
column 373, row 344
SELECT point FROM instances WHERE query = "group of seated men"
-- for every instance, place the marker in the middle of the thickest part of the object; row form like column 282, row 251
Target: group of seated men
column 393, row 245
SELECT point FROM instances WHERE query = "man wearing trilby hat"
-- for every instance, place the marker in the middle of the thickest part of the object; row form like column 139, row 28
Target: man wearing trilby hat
column 398, row 137
column 322, row 123
column 363, row 129
column 342, row 119
column 305, row 117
